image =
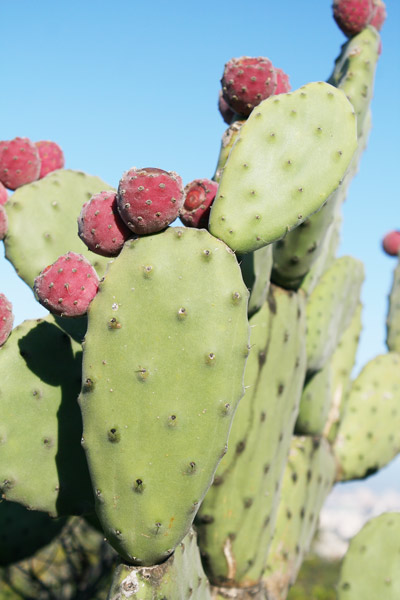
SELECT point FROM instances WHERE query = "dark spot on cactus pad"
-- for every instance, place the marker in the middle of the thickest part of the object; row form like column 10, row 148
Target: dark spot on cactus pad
column 206, row 519
column 158, row 527
column 266, row 522
column 172, row 420
column 182, row 313
column 247, row 502
column 263, row 416
column 236, row 297
column 266, row 468
column 210, row 358
column 206, row 254
column 302, row 513
column 218, row 480
column 271, row 301
column 191, row 468
column 345, row 586
column 138, row 486
column 261, row 357
column 294, row 477
column 114, row 435
column 309, row 475
column 48, row 442
column 88, row 385
column 114, row 324
column 240, row 446
column 142, row 374
column 281, row 387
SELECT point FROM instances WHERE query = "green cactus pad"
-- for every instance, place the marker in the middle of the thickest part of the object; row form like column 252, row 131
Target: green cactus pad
column 181, row 577
column 315, row 403
column 393, row 317
column 290, row 155
column 371, row 567
column 42, row 218
column 369, row 433
column 330, row 308
column 354, row 71
column 42, row 464
column 228, row 139
column 341, row 366
column 236, row 519
column 256, row 270
column 23, row 532
column 163, row 368
column 308, row 479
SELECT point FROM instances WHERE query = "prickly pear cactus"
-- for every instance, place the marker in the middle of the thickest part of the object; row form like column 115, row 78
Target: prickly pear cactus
column 48, row 471
column 370, row 569
column 42, row 219
column 369, row 433
column 156, row 424
column 271, row 183
column 180, row 577
column 393, row 316
column 308, row 478
column 236, row 520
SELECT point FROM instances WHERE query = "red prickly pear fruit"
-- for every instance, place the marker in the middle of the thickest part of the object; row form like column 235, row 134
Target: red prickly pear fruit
column 51, row 157
column 199, row 196
column 226, row 112
column 248, row 81
column 352, row 16
column 391, row 243
column 67, row 287
column 149, row 199
column 6, row 319
column 3, row 222
column 283, row 85
column 19, row 162
column 100, row 226
column 379, row 16
column 3, row 194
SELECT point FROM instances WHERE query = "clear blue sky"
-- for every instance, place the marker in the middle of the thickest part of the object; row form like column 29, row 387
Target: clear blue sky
column 122, row 84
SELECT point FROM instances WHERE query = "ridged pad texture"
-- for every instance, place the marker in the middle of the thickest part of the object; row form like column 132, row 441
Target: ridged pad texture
column 370, row 569
column 307, row 481
column 330, row 309
column 290, row 155
column 164, row 359
column 236, row 520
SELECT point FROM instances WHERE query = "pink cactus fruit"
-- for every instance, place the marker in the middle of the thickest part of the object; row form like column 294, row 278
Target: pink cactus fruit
column 3, row 222
column 149, row 199
column 3, row 194
column 352, row 16
column 283, row 85
column 100, row 226
column 226, row 112
column 6, row 319
column 199, row 196
column 379, row 15
column 248, row 81
column 391, row 243
column 19, row 162
column 51, row 157
column 67, row 287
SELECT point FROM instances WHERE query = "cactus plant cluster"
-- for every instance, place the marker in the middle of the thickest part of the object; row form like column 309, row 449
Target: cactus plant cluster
column 212, row 361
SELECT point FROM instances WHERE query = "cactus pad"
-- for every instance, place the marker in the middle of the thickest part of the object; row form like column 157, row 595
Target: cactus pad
column 167, row 331
column 289, row 156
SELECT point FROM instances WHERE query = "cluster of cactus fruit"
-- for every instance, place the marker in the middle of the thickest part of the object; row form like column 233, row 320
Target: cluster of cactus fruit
column 212, row 361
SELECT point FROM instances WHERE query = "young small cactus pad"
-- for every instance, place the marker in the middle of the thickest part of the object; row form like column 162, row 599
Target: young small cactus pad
column 100, row 226
column 51, row 157
column 19, row 162
column 370, row 569
column 271, row 182
column 67, row 287
column 174, row 307
column 6, row 319
column 149, row 199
